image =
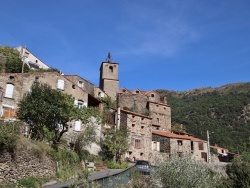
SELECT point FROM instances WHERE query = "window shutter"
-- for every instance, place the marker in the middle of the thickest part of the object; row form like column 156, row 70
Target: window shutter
column 9, row 90
column 60, row 84
column 76, row 102
column 158, row 146
column 77, row 125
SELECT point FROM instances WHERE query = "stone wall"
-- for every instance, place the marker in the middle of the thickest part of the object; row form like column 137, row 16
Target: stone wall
column 140, row 129
column 164, row 143
column 23, row 164
column 127, row 100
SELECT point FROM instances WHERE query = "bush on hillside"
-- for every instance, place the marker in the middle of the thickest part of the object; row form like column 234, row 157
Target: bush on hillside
column 186, row 172
column 239, row 171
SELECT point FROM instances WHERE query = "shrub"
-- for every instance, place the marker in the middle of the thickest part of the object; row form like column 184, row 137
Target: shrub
column 30, row 182
column 117, row 165
column 239, row 171
column 9, row 132
column 186, row 172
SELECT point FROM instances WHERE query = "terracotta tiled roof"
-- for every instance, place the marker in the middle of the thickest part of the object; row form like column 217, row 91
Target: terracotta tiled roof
column 177, row 136
column 134, row 113
column 217, row 147
column 158, row 103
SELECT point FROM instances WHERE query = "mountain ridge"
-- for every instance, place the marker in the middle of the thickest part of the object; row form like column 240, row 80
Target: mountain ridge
column 224, row 110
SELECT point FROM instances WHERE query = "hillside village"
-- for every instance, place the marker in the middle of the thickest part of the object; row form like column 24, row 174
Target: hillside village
column 146, row 114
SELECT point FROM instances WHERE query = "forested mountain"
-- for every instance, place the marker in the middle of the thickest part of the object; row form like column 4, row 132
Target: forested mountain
column 224, row 111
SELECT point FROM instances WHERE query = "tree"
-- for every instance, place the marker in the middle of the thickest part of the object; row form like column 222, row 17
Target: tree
column 10, row 60
column 116, row 142
column 239, row 171
column 46, row 109
column 90, row 118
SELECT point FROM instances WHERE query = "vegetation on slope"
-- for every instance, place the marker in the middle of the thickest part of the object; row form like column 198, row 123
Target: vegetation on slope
column 224, row 111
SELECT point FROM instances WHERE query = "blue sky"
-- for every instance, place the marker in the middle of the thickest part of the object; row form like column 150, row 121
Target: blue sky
column 159, row 44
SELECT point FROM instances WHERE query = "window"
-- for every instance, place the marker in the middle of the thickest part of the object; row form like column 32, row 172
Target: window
column 201, row 146
column 152, row 95
column 180, row 154
column 179, row 142
column 78, row 125
column 137, row 143
column 60, row 84
column 9, row 91
column 192, row 145
column 36, row 79
column 111, row 69
column 8, row 112
column 154, row 146
column 80, row 84
column 11, row 78
column 157, row 120
column 142, row 130
column 141, row 156
column 133, row 128
column 100, row 94
column 79, row 103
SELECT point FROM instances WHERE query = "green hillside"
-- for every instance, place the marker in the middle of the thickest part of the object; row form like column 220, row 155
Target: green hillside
column 224, row 111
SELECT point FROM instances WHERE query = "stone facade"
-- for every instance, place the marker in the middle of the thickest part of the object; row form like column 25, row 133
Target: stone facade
column 174, row 144
column 23, row 165
column 199, row 149
column 82, row 83
column 163, row 142
column 21, row 83
column 98, row 93
column 109, row 81
column 148, row 103
column 76, row 127
column 140, row 134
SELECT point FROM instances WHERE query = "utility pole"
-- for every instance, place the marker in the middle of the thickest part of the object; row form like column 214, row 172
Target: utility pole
column 208, row 148
column 23, row 57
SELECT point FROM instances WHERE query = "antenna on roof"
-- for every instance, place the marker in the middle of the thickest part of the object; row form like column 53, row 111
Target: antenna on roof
column 109, row 58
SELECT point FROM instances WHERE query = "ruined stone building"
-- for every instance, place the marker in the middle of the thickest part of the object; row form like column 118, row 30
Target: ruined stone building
column 30, row 59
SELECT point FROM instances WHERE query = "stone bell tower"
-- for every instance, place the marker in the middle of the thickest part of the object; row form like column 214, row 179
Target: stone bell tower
column 109, row 81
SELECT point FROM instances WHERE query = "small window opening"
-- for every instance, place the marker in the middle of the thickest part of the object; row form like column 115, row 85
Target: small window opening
column 11, row 77
column 111, row 69
column 36, row 79
column 152, row 95
column 157, row 120
column 179, row 142
column 73, row 86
